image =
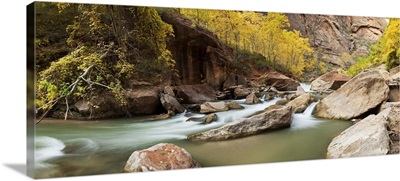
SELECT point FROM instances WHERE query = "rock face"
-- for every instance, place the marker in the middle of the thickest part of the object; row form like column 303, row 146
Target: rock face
column 144, row 101
column 267, row 120
column 252, row 99
column 199, row 54
column 392, row 115
column 368, row 137
column 234, row 80
column 195, row 94
column 171, row 104
column 301, row 103
column 211, row 107
column 332, row 36
column 281, row 82
column 163, row 156
column 361, row 94
column 332, row 80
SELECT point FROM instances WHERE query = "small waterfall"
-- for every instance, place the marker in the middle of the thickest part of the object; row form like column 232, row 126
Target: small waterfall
column 310, row 109
column 306, row 86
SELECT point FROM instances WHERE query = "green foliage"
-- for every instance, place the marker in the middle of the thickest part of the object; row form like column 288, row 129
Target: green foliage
column 121, row 42
column 385, row 51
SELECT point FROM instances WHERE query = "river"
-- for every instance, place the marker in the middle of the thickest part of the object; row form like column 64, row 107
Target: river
column 103, row 147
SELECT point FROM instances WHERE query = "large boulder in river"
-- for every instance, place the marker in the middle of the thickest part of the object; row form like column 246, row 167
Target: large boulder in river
column 367, row 137
column 195, row 94
column 163, row 156
column 301, row 103
column 332, row 80
column 144, row 100
column 267, row 120
column 171, row 104
column 211, row 107
column 280, row 81
column 359, row 95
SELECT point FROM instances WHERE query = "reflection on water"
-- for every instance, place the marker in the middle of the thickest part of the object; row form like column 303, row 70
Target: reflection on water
column 68, row 148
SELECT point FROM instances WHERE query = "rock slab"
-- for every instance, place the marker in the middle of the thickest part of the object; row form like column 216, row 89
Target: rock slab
column 268, row 120
column 163, row 156
column 364, row 92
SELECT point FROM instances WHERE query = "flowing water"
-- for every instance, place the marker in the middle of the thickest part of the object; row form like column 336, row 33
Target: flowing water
column 69, row 148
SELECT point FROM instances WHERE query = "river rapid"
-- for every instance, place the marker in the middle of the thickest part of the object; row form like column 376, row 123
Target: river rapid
column 75, row 148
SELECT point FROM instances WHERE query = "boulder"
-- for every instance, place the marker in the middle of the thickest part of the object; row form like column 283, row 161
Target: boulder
column 241, row 92
column 144, row 100
column 83, row 106
column 252, row 99
column 280, row 81
column 300, row 91
column 359, row 95
column 265, row 121
column 332, row 80
column 392, row 115
column 195, row 94
column 301, row 103
column 282, row 102
column 210, row 118
column 234, row 105
column 211, row 107
column 169, row 90
column 171, row 104
column 389, row 104
column 367, row 137
column 394, row 94
column 163, row 156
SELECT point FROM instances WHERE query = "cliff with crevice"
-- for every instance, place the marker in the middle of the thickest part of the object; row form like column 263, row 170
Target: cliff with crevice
column 333, row 36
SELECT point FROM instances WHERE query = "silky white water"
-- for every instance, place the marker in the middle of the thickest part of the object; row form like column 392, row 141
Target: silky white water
column 68, row 148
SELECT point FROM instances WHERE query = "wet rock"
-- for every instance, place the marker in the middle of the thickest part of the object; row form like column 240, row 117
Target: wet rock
column 265, row 121
column 282, row 102
column 171, row 104
column 234, row 105
column 252, row 99
column 300, row 91
column 163, row 156
column 211, row 107
column 361, row 94
column 280, row 81
column 210, row 118
column 241, row 92
column 367, row 137
column 301, row 103
column 332, row 80
column 195, row 94
column 144, row 100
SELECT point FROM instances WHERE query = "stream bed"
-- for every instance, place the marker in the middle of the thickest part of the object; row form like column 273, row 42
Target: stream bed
column 75, row 148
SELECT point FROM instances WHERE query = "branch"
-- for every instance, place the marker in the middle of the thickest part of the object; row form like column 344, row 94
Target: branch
column 73, row 87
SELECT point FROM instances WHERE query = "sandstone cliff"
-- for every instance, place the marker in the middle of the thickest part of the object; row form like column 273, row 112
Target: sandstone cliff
column 332, row 36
